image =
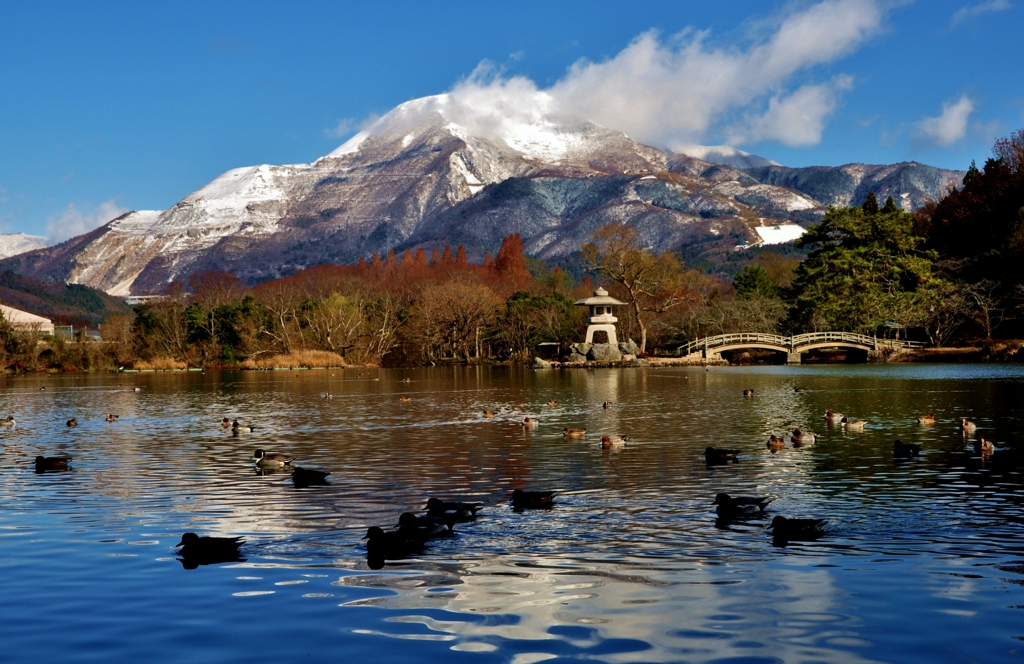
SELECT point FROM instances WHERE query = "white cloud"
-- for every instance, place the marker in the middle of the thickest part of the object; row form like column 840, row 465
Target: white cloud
column 969, row 12
column 949, row 126
column 682, row 90
column 74, row 221
column 677, row 92
column 344, row 127
column 797, row 120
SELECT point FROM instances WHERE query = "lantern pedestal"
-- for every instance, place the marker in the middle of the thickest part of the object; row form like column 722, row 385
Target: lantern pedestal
column 609, row 328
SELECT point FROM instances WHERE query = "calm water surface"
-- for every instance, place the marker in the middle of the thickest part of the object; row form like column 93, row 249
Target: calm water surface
column 923, row 560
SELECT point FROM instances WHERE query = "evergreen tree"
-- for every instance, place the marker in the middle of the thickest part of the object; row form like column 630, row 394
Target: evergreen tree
column 870, row 205
column 753, row 282
column 866, row 270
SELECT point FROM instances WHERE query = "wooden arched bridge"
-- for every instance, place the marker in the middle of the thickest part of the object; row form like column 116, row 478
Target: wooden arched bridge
column 711, row 348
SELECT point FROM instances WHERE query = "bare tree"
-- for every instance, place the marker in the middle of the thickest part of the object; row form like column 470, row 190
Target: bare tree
column 654, row 284
column 280, row 299
column 947, row 315
column 382, row 321
column 450, row 313
column 987, row 304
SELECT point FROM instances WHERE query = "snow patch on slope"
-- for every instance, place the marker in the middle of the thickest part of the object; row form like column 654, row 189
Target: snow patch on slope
column 12, row 244
column 780, row 233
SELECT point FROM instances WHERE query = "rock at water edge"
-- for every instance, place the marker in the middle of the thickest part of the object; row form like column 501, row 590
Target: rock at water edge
column 604, row 353
column 629, row 347
column 581, row 348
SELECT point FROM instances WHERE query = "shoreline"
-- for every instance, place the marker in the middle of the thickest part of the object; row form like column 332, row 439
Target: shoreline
column 995, row 352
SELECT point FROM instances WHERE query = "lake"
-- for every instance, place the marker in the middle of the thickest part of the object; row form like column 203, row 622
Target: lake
column 922, row 560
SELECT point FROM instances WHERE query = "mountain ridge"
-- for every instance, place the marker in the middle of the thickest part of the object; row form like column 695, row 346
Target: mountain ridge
column 440, row 170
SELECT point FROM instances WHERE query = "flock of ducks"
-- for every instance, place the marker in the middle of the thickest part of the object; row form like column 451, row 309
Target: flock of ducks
column 608, row 442
column 409, row 536
column 785, row 529
column 413, row 531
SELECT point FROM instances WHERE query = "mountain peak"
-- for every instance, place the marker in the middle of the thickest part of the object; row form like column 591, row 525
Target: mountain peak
column 12, row 244
column 528, row 124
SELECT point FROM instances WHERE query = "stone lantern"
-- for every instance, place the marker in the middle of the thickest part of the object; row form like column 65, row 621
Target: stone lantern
column 601, row 316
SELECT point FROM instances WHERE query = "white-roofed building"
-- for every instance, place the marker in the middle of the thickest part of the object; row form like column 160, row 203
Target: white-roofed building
column 23, row 321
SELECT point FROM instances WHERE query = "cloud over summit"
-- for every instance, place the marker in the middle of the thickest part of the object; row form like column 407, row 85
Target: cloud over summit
column 681, row 90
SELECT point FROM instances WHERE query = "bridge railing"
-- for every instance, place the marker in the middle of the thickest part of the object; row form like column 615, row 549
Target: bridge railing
column 733, row 338
column 795, row 342
column 819, row 337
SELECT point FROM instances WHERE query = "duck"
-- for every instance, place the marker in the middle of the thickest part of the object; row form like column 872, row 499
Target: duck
column 305, row 477
column 926, row 419
column 451, row 512
column 423, row 527
column 405, row 399
column 967, row 425
column 52, row 463
column 328, row 395
column 226, row 423
column 797, row 529
column 72, row 422
column 902, row 450
column 748, row 392
column 214, row 549
column 799, row 389
column 404, row 380
column 803, row 437
column 489, row 414
column 983, row 447
column 531, row 500
column 9, row 422
column 111, row 417
column 606, row 405
column 552, row 403
column 529, row 422
column 853, row 425
column 612, row 442
column 391, row 544
column 731, row 506
column 833, row 418
column 775, row 443
column 720, row 456
column 265, row 460
column 572, row 432
column 137, row 389
column 242, row 428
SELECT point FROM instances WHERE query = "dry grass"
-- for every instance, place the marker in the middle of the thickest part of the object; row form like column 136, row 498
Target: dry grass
column 299, row 358
column 161, row 364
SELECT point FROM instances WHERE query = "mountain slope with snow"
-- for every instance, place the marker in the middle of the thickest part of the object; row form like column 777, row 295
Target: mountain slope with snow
column 12, row 244
column 441, row 170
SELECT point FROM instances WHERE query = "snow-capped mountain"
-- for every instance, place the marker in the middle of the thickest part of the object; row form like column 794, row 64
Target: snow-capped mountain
column 12, row 244
column 447, row 169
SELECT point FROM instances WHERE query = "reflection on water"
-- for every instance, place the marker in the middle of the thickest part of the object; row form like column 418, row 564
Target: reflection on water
column 630, row 565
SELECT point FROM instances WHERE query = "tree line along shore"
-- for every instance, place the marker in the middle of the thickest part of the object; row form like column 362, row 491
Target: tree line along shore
column 948, row 274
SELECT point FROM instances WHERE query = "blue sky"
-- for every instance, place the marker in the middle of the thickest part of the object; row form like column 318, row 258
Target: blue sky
column 107, row 107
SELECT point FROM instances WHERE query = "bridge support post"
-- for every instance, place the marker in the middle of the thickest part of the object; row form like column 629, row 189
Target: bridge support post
column 792, row 358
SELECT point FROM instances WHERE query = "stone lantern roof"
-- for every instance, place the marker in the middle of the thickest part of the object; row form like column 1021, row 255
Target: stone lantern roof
column 601, row 297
